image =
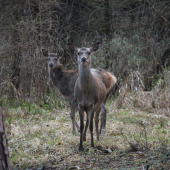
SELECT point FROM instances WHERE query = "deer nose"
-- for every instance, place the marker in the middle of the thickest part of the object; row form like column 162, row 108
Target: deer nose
column 51, row 64
column 83, row 59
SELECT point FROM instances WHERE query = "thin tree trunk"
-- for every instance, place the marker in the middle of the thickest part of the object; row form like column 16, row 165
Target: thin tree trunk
column 4, row 153
column 107, row 22
column 107, row 18
column 15, row 80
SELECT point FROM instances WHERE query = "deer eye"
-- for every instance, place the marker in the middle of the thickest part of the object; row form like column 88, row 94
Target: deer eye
column 88, row 53
column 48, row 59
column 79, row 53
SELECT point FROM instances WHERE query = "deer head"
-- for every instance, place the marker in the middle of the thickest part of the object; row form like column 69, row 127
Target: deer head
column 53, row 59
column 84, row 54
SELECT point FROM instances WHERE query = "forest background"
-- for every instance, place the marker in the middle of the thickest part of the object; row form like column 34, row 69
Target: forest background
column 135, row 47
column 134, row 34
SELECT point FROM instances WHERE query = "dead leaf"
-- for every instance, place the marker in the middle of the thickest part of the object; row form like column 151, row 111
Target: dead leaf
column 60, row 143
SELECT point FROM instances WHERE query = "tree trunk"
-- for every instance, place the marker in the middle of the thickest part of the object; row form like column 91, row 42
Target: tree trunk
column 107, row 22
column 107, row 18
column 15, row 79
column 4, row 153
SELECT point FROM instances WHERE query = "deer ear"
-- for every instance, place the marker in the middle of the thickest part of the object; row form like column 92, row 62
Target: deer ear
column 72, row 47
column 94, row 47
column 45, row 52
column 60, row 53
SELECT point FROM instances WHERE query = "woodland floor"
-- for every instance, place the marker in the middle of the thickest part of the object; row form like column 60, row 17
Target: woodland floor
column 41, row 139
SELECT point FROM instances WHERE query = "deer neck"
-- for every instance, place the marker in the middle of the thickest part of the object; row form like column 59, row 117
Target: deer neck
column 56, row 74
column 85, row 78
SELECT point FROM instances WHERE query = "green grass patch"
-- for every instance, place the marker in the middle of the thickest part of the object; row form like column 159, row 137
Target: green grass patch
column 44, row 136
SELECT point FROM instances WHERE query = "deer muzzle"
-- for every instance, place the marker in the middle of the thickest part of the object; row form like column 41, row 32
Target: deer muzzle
column 83, row 59
column 51, row 65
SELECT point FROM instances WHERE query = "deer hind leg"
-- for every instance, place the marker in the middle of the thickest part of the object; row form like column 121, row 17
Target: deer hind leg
column 103, row 119
column 72, row 115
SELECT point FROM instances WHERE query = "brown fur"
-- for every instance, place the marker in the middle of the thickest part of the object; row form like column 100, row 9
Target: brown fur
column 65, row 80
column 111, row 79
column 89, row 92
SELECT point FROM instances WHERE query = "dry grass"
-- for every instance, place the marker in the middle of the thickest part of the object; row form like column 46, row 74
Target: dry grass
column 137, row 136
column 156, row 101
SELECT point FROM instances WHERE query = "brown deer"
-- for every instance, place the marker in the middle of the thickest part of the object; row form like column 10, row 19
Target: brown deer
column 109, row 80
column 65, row 80
column 90, row 91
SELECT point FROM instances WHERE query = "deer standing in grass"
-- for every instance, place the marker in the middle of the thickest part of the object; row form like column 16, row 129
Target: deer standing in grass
column 90, row 92
column 65, row 81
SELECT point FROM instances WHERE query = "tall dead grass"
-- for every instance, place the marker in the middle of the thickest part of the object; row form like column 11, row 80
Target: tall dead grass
column 132, row 95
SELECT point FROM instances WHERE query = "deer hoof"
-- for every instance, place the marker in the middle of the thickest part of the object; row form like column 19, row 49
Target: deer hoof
column 92, row 145
column 81, row 148
column 74, row 133
column 84, row 139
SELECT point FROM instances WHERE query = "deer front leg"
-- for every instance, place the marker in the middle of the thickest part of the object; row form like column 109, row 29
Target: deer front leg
column 85, row 130
column 78, row 128
column 91, row 115
column 103, row 112
column 81, row 114
column 87, row 121
column 72, row 116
